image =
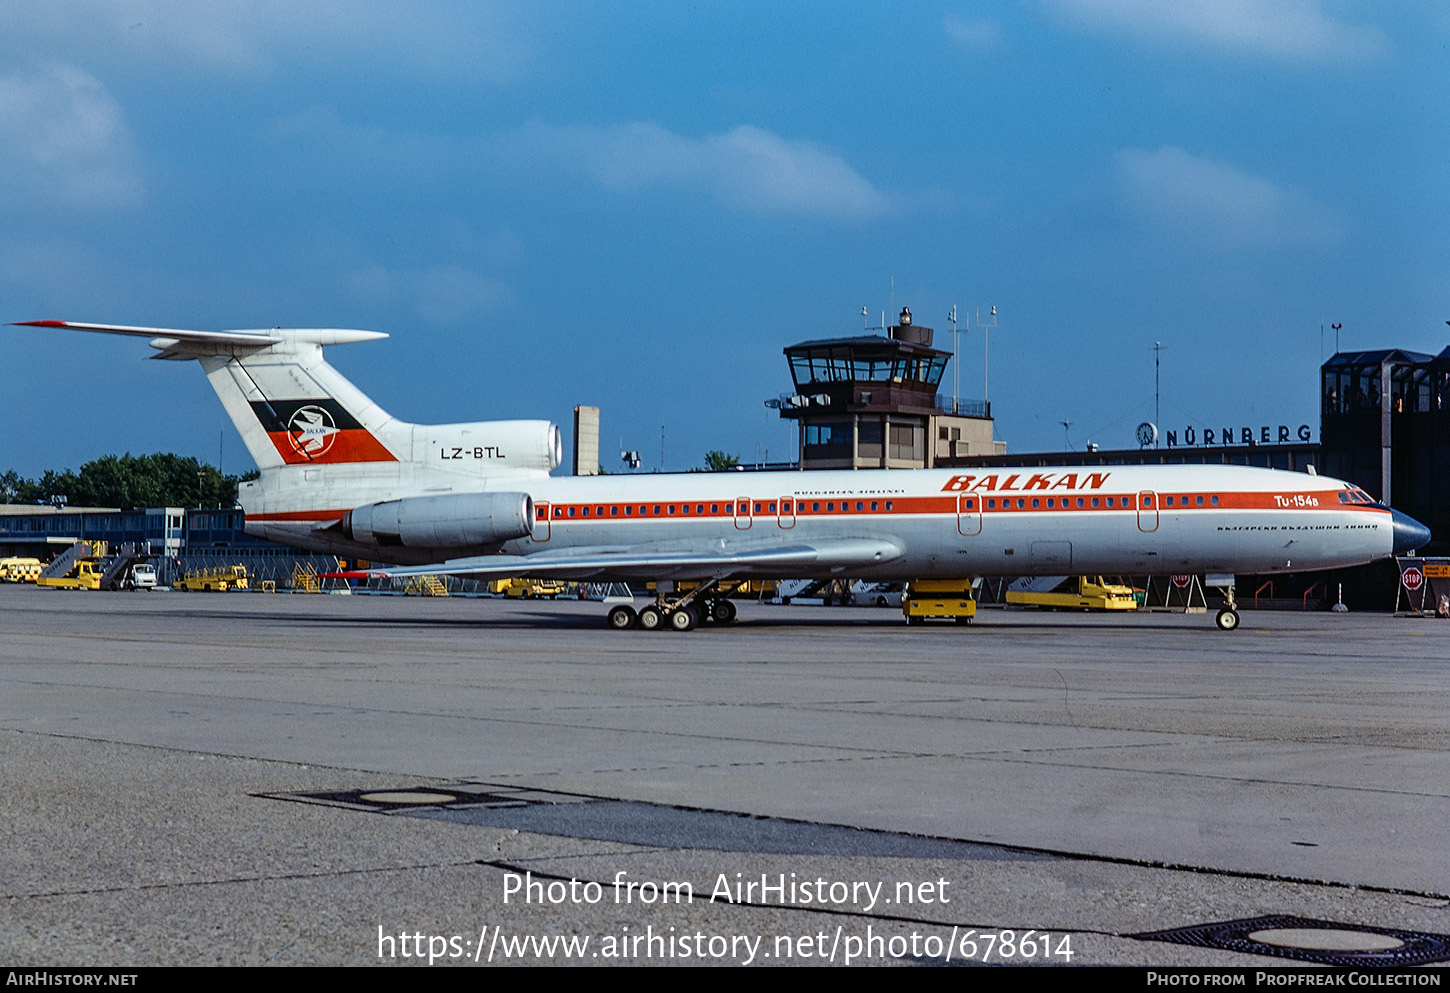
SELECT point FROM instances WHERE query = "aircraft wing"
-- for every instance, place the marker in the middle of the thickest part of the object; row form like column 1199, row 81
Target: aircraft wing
column 631, row 562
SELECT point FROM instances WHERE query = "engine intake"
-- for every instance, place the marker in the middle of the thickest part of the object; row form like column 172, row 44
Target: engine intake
column 453, row 520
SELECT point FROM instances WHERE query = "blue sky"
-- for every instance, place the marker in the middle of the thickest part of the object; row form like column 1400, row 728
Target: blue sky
column 638, row 205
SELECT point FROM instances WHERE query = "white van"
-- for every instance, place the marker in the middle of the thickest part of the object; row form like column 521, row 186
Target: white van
column 142, row 576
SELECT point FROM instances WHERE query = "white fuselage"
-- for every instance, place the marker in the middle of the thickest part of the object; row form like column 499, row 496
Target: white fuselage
column 940, row 523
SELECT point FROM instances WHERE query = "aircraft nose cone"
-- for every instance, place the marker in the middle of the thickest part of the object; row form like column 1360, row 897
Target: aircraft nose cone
column 1409, row 533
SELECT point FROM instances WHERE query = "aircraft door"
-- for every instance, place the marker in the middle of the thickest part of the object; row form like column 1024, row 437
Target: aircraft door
column 1147, row 511
column 742, row 513
column 969, row 515
column 786, row 515
column 1049, row 557
column 543, row 525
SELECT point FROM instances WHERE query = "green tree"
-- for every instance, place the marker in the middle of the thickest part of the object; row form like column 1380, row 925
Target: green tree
column 718, row 461
column 160, row 480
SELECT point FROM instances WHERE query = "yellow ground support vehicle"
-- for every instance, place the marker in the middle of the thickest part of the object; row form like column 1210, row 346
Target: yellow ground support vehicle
column 218, row 580
column 939, row 598
column 85, row 575
column 19, row 570
column 1079, row 593
column 531, row 589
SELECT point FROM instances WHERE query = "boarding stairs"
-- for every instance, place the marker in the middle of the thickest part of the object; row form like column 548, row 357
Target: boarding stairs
column 120, row 563
column 429, row 585
column 62, row 564
column 305, row 578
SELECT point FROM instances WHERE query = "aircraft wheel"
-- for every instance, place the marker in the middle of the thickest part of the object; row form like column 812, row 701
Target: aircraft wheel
column 622, row 617
column 684, row 619
column 651, row 618
column 1227, row 619
column 722, row 611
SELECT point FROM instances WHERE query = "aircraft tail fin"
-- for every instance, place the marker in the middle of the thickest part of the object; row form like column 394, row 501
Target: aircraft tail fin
column 290, row 406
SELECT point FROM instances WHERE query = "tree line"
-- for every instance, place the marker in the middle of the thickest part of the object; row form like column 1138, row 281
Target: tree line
column 160, row 480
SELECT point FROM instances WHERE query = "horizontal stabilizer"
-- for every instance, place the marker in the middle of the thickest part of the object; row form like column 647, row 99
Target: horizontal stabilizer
column 181, row 343
column 256, row 339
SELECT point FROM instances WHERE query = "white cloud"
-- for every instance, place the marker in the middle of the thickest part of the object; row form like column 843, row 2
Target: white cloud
column 1212, row 202
column 1298, row 30
column 449, row 39
column 63, row 139
column 747, row 167
column 446, row 294
column 974, row 35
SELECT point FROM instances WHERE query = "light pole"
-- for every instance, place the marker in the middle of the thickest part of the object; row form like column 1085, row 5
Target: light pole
column 986, row 340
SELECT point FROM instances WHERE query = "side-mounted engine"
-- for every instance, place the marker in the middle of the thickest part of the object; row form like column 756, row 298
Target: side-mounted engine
column 452, row 520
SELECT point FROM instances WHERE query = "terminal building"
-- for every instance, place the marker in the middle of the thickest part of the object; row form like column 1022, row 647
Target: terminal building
column 1385, row 426
column 175, row 539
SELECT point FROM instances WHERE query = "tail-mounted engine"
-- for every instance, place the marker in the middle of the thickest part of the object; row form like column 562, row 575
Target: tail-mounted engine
column 454, row 520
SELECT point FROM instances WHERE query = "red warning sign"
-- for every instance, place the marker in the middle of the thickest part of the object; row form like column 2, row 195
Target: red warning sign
column 1412, row 578
column 1181, row 581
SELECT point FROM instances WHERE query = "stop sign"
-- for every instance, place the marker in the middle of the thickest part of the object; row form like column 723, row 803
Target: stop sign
column 1412, row 578
column 1181, row 581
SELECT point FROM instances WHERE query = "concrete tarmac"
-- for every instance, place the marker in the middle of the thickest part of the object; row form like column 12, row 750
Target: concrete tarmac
column 251, row 779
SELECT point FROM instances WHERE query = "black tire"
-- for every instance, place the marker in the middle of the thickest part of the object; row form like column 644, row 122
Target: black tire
column 1227, row 619
column 622, row 617
column 722, row 611
column 652, row 618
column 684, row 619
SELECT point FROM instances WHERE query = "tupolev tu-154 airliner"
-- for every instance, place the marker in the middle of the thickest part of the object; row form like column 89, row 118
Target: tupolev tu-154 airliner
column 340, row 475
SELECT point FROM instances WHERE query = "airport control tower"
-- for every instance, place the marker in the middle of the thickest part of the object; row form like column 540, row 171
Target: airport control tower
column 871, row 402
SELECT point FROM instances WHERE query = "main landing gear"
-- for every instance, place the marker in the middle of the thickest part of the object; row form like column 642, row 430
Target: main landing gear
column 707, row 602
